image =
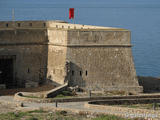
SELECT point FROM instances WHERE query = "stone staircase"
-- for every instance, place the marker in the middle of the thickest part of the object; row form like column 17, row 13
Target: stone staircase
column 54, row 92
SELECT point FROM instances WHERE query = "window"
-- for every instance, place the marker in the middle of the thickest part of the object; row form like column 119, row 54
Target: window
column 86, row 72
column 28, row 70
column 30, row 24
column 56, row 26
column 19, row 24
column 7, row 25
column 44, row 24
column 72, row 72
column 80, row 73
column 62, row 26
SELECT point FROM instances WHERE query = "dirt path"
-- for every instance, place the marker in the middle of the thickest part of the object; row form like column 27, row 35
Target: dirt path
column 8, row 104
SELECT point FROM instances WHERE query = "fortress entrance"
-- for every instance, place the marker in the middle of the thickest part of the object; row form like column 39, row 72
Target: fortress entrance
column 6, row 71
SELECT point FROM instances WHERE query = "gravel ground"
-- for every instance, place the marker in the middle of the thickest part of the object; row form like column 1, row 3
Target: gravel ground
column 4, row 108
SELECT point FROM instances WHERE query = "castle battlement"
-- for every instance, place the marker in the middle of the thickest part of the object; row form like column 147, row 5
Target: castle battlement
column 92, row 57
column 53, row 24
column 64, row 34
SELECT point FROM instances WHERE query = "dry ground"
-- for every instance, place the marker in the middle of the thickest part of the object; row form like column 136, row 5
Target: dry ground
column 36, row 89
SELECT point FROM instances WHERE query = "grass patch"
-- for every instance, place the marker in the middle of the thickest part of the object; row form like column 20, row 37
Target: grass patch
column 65, row 94
column 19, row 115
column 32, row 118
column 109, row 117
column 37, row 111
column 59, row 115
column 62, row 96
column 13, row 116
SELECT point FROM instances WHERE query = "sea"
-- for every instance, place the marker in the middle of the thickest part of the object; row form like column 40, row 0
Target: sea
column 141, row 17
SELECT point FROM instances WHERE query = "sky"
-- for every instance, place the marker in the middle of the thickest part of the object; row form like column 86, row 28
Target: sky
column 34, row 3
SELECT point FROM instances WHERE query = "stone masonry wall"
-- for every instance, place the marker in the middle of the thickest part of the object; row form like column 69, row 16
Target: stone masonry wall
column 102, row 60
column 57, row 55
column 99, row 58
column 102, row 68
column 30, row 54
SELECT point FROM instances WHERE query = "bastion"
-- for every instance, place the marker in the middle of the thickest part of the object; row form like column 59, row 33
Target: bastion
column 92, row 57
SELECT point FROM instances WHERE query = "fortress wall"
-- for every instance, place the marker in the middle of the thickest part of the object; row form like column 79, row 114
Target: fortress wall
column 23, row 24
column 56, row 63
column 57, row 36
column 65, row 25
column 106, row 68
column 32, row 24
column 23, row 36
column 100, row 57
column 57, row 55
column 29, row 64
column 28, row 47
column 102, row 60
column 99, row 37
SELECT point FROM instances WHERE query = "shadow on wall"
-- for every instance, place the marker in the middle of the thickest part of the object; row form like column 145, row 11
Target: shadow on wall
column 50, row 81
column 76, row 76
column 150, row 84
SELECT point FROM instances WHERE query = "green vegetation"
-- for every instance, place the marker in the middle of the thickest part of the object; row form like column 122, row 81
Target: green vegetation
column 65, row 94
column 30, row 96
column 59, row 115
column 109, row 117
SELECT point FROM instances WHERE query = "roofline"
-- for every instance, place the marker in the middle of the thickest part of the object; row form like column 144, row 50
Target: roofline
column 58, row 24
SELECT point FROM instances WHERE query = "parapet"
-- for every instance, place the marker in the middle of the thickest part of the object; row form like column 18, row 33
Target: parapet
column 52, row 24
column 62, row 33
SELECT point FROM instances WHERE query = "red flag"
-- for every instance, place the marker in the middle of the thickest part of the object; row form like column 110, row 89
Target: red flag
column 71, row 13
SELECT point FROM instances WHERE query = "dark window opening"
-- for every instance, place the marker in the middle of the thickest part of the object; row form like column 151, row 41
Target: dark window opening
column 86, row 72
column 44, row 24
column 19, row 24
column 80, row 73
column 72, row 72
column 30, row 24
column 28, row 70
column 56, row 26
column 6, row 72
column 7, row 25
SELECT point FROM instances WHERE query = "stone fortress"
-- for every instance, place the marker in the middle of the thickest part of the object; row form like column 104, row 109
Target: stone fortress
column 92, row 57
